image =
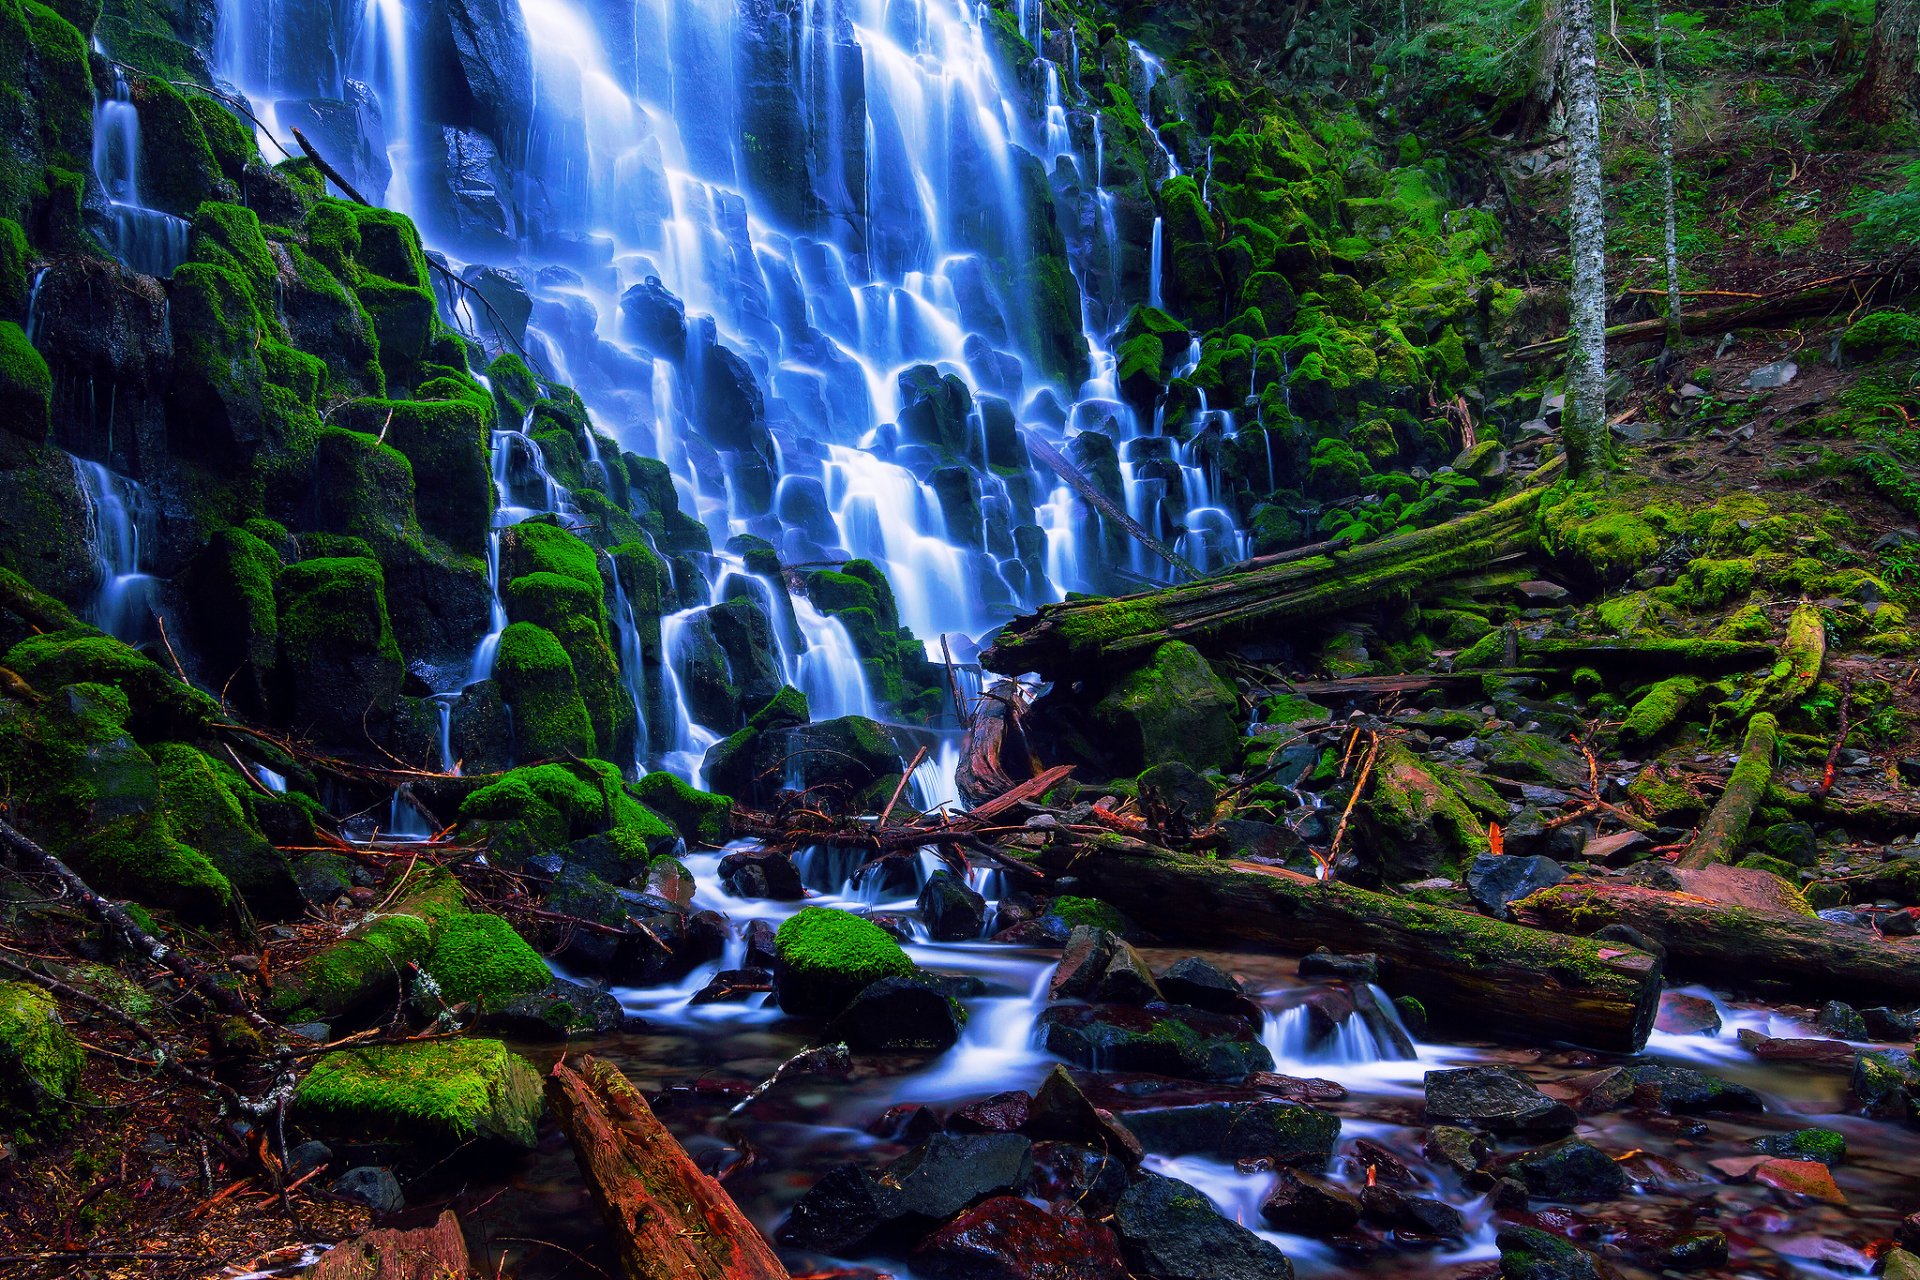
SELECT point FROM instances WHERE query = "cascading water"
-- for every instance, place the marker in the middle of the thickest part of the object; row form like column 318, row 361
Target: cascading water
column 147, row 240
column 122, row 602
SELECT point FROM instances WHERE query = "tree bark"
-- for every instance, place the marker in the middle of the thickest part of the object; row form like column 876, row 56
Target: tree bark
column 1505, row 981
column 1725, row 827
column 994, row 743
column 1717, row 940
column 669, row 1220
column 1663, row 109
column 1584, row 419
column 1888, row 90
column 438, row 1252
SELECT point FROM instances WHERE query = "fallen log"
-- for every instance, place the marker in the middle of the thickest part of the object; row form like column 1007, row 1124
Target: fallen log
column 1504, row 981
column 1726, row 826
column 1717, row 940
column 1069, row 638
column 1798, row 669
column 993, row 743
column 1100, row 502
column 438, row 1252
column 669, row 1220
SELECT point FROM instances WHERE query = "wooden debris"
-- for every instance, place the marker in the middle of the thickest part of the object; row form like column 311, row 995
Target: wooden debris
column 1725, row 827
column 438, row 1252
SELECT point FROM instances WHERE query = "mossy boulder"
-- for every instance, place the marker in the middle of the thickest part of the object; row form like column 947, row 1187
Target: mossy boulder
column 482, row 958
column 158, row 703
column 209, row 806
column 1413, row 820
column 40, row 1061
column 446, row 440
column 435, row 1095
column 700, row 816
column 550, row 807
column 370, row 964
column 46, row 106
column 338, row 656
column 1173, row 708
column 26, row 387
column 1882, row 332
column 825, row 957
column 1659, row 708
column 536, row 679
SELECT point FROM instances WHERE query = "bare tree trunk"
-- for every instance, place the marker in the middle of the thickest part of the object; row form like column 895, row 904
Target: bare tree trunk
column 1664, row 113
column 1584, row 424
column 1888, row 90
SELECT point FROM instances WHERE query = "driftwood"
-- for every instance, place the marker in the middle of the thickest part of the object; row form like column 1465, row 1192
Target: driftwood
column 669, row 1221
column 438, row 1252
column 1104, row 505
column 1737, row 944
column 1504, row 980
column 994, row 743
column 1080, row 635
column 1720, row 835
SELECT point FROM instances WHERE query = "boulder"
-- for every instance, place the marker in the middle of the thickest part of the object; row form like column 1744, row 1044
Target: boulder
column 1008, row 1238
column 1494, row 880
column 1006, row 1112
column 1173, row 709
column 910, row 1012
column 1572, row 1171
column 1200, row 985
column 760, row 873
column 1163, row 1039
column 1302, row 1204
column 1886, row 1085
column 826, row 957
column 849, row 1205
column 40, row 1060
column 1061, row 1110
column 1527, row 1253
column 436, row 1094
column 1285, row 1133
column 1176, row 800
column 1685, row 1015
column 1169, row 1230
column 1066, row 1174
column 953, row 912
column 1498, row 1099
column 1683, row 1090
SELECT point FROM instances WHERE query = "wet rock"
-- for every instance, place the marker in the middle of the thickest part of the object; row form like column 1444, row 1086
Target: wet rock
column 308, row 1156
column 1499, row 1099
column 1298, row 1088
column 1163, row 1039
column 1088, row 952
column 1173, row 708
column 1284, row 1132
column 1805, row 1178
column 1886, row 1024
column 656, row 318
column 901, row 1013
column 1197, row 984
column 1380, row 1165
column 1069, row 1174
column 761, row 874
column 1527, row 1253
column 760, row 950
column 1900, row 1265
column 1126, row 979
column 1841, row 1020
column 1886, row 1085
column 1303, row 1204
column 1823, row 1145
column 926, row 1186
column 1002, row 1113
column 1571, row 1171
column 1616, row 850
column 373, row 1187
column 730, row 985
column 1416, row 1215
column 1683, row 1091
column 1007, row 1238
column 1171, row 1231
column 1685, row 1015
column 1495, row 880
column 1061, row 1110
column 1325, row 964
column 953, row 912
column 557, row 1011
column 1458, row 1149
column 1176, row 800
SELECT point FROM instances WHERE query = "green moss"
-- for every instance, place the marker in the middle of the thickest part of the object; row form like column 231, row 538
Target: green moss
column 16, row 263
column 1657, row 710
column 40, row 1061
column 1091, row 913
column 208, row 805
column 178, row 169
column 1174, row 708
column 1708, row 583
column 544, row 807
column 700, row 816
column 829, row 943
column 333, row 606
column 481, row 957
column 160, row 704
column 439, row 1092
column 230, row 141
column 370, row 965
column 1881, row 332
column 536, row 678
column 26, row 387
column 1824, row 1145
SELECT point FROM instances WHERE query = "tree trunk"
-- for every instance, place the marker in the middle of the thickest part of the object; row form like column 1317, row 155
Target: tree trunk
column 669, row 1220
column 1584, row 419
column 1721, row 834
column 993, row 744
column 1739, row 945
column 1504, row 981
column 438, row 1252
column 1664, row 113
column 1888, row 90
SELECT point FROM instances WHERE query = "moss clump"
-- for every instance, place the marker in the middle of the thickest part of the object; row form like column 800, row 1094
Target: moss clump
column 370, row 964
column 26, row 387
column 1657, row 709
column 1174, row 708
column 545, row 807
column 826, row 957
column 446, row 440
column 1822, row 1145
column 437, row 1094
column 700, row 815
column 1417, row 822
column 209, row 805
column 337, row 647
column 1090, row 912
column 537, row 680
column 40, row 1060
column 481, row 957
column 1662, row 794
column 1707, row 583
column 1609, row 533
column 1882, row 332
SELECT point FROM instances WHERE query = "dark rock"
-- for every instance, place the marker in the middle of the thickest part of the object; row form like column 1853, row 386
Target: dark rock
column 557, row 1011
column 761, row 952
column 844, row 1207
column 1495, row 880
column 1682, row 1090
column 735, row 984
column 1170, row 1231
column 953, row 912
column 1061, row 1110
column 1886, row 1024
column 1002, row 1113
column 901, row 1013
column 1841, row 1020
column 1527, row 1253
column 1199, row 985
column 757, row 873
column 1458, row 1149
column 375, row 1188
column 656, row 318
column 1126, row 979
column 1066, row 1173
column 921, row 1189
column 308, row 1156
column 1163, row 1039
column 1381, row 1165
column 1324, row 964
column 1571, row 1171
column 1283, row 1132
column 1007, row 1238
column 1176, row 800
column 1416, row 1215
column 1499, row 1099
column 1685, row 1015
column 1302, row 1204
column 1087, row 954
column 1886, row 1084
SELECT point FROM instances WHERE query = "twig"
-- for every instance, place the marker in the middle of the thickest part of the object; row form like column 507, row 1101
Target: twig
column 906, row 777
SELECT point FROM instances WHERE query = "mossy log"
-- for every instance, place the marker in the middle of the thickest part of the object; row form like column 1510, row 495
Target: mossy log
column 1798, row 669
column 438, row 1252
column 1726, row 826
column 1071, row 638
column 669, row 1220
column 1717, row 940
column 1505, row 981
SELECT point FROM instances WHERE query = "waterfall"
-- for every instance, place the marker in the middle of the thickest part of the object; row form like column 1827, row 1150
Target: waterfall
column 122, row 603
column 147, row 240
column 1155, row 297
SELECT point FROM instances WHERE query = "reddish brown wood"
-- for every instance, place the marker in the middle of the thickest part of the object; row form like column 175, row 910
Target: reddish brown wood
column 669, row 1220
column 993, row 745
column 438, row 1252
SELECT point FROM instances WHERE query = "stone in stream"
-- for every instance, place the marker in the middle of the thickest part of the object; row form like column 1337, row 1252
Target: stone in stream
column 849, row 1205
column 1167, row 1040
column 760, row 952
column 1303, row 1204
column 1499, row 1099
column 1891, row 1025
column 734, row 984
column 1008, row 1238
column 761, row 874
column 1808, row 1179
column 953, row 912
column 1824, row 1145
column 1900, row 1265
column 1685, row 1015
column 1682, row 1090
column 1062, row 1110
column 1416, row 1215
column 906, row 1012
column 1088, row 952
column 1886, row 1084
column 1460, row 1150
column 1066, row 1173
column 1171, row 1231
column 1380, row 1166
column 1199, row 985
column 1496, row 880
column 1127, row 979
column 1527, row 1253
column 1283, row 1132
column 1842, row 1021
column 1571, row 1171
column 1325, row 964
column 557, row 1011
column 373, row 1187
column 1002, row 1113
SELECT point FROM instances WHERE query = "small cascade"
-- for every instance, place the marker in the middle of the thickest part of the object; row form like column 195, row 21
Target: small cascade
column 1156, row 264
column 123, row 602
column 633, row 671
column 147, row 240
column 1368, row 1031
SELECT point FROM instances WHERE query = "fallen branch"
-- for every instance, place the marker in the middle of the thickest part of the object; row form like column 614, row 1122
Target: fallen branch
column 438, row 1252
column 1726, row 826
column 1100, row 502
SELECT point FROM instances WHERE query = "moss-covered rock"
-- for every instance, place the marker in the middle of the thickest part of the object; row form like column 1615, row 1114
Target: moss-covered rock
column 370, row 964
column 536, row 678
column 437, row 1094
column 40, row 1061
column 446, row 440
column 544, row 808
column 339, row 660
column 26, row 387
column 1174, row 708
column 826, row 957
column 1659, row 708
column 209, row 806
column 701, row 816
column 481, row 958
column 1413, row 820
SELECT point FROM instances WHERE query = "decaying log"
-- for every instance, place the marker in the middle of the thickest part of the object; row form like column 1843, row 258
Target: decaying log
column 994, row 755
column 1100, row 502
column 669, row 1220
column 1725, row 827
column 1067, row 639
column 438, row 1252
column 1717, row 940
column 1504, row 980
column 1798, row 669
